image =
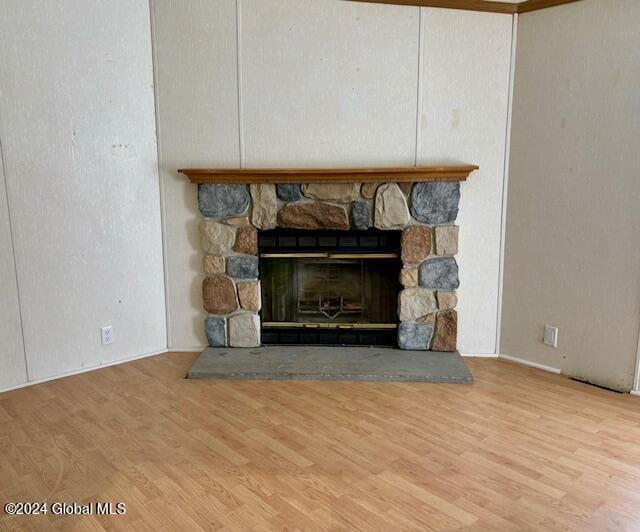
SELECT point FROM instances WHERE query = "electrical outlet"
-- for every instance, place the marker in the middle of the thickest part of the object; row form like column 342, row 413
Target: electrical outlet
column 550, row 336
column 107, row 335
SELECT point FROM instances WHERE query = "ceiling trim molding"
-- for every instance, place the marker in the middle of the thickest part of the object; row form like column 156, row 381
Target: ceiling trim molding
column 468, row 5
column 534, row 5
column 478, row 5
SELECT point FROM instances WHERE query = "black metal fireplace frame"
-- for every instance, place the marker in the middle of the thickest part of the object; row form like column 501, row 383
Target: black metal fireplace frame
column 280, row 242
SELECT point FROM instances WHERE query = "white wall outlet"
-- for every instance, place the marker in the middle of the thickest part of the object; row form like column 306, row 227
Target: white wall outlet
column 107, row 335
column 550, row 336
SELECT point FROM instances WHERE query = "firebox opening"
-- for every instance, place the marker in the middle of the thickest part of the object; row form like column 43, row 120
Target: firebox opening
column 329, row 287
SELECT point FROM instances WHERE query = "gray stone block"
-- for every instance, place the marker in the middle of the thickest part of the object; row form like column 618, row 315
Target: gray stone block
column 416, row 336
column 440, row 273
column 361, row 215
column 435, row 203
column 242, row 267
column 215, row 329
column 222, row 201
column 289, row 192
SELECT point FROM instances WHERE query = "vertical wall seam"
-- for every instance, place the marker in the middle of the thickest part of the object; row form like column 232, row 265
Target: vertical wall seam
column 13, row 247
column 419, row 89
column 163, row 227
column 636, row 376
column 239, row 82
column 505, row 181
column 13, row 253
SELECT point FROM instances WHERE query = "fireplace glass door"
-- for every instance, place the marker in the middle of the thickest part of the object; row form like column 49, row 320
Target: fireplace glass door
column 329, row 291
column 330, row 295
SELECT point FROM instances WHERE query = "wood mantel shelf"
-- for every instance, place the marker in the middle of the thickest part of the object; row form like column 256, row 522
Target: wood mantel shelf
column 328, row 175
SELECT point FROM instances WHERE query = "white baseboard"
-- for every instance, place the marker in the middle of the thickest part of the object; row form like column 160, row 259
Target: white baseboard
column 83, row 370
column 635, row 392
column 479, row 355
column 550, row 369
column 195, row 349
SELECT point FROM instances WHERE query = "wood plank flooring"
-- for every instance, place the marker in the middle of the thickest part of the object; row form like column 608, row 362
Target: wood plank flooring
column 518, row 450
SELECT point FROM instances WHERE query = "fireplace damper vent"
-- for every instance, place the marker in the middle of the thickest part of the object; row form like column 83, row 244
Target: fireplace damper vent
column 329, row 287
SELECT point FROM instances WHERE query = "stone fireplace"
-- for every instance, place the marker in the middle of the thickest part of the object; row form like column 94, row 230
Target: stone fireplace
column 352, row 263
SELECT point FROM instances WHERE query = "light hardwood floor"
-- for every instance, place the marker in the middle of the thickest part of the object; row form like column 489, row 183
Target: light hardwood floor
column 520, row 449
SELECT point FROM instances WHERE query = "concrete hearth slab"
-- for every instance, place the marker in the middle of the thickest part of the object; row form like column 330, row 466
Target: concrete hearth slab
column 330, row 363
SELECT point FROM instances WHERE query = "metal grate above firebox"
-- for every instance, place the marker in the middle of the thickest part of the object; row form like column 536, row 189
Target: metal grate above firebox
column 291, row 240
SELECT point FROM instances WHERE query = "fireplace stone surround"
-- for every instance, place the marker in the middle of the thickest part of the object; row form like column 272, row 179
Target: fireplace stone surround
column 424, row 212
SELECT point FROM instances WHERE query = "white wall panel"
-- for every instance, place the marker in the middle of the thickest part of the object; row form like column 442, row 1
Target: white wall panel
column 463, row 118
column 12, row 363
column 331, row 83
column 572, row 257
column 328, row 83
column 197, row 98
column 81, row 167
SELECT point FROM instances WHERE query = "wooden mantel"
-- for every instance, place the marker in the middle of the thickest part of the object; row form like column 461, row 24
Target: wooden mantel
column 328, row 175
column 511, row 8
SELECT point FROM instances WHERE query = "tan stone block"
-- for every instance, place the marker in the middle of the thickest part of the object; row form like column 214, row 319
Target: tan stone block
column 249, row 294
column 429, row 319
column 244, row 330
column 264, row 210
column 238, row 220
column 368, row 190
column 341, row 192
column 391, row 210
column 246, row 240
column 415, row 244
column 213, row 264
column 446, row 300
column 445, row 336
column 409, row 277
column 219, row 295
column 217, row 238
column 446, row 239
column 413, row 303
column 315, row 215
